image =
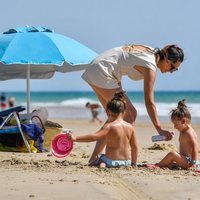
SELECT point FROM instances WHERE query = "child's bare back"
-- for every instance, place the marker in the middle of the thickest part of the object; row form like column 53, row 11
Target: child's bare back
column 118, row 140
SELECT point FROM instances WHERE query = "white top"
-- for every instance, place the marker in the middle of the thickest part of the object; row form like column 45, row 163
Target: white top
column 106, row 70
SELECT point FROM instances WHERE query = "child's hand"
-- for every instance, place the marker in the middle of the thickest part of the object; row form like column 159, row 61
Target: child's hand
column 71, row 136
column 134, row 165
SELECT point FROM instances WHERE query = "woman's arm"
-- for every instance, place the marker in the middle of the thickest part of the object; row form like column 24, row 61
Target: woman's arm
column 149, row 80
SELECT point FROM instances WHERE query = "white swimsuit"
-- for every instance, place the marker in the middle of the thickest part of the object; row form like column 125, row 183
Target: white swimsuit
column 106, row 70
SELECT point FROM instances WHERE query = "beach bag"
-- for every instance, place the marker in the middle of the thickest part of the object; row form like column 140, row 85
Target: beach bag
column 12, row 140
column 34, row 132
column 34, row 135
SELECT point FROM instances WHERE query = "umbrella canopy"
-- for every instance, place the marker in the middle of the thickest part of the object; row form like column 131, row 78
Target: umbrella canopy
column 37, row 53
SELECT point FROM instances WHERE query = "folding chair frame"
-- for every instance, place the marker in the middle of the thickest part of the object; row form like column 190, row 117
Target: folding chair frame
column 15, row 114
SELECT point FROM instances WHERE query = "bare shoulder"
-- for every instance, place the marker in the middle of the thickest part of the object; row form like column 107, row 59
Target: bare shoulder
column 190, row 133
column 148, row 73
column 106, row 126
column 120, row 124
column 128, row 126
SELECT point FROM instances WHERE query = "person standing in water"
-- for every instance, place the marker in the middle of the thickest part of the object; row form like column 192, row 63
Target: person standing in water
column 94, row 108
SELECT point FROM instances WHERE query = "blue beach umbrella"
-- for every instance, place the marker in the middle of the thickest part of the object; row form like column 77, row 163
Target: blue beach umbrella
column 37, row 53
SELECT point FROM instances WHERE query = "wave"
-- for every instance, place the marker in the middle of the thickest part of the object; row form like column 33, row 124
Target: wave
column 79, row 104
column 164, row 109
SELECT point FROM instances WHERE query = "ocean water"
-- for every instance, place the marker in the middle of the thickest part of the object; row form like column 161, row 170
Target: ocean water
column 71, row 105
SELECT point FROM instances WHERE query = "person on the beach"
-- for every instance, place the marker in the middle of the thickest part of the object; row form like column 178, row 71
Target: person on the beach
column 188, row 147
column 3, row 101
column 138, row 62
column 11, row 101
column 94, row 108
column 117, row 135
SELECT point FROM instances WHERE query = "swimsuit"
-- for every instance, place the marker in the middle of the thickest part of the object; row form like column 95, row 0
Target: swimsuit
column 112, row 163
column 189, row 160
column 106, row 70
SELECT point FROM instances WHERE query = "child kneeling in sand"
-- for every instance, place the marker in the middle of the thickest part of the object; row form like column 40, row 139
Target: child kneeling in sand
column 117, row 135
column 188, row 148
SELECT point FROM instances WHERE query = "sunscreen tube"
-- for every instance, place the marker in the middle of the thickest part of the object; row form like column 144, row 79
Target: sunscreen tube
column 157, row 138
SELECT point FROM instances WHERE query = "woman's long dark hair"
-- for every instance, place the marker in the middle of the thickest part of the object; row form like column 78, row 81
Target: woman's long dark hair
column 172, row 52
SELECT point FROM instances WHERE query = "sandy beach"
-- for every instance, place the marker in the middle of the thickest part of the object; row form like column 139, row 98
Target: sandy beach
column 43, row 177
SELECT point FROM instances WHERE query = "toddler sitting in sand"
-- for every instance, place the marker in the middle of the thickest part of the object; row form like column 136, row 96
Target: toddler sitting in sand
column 117, row 135
column 188, row 148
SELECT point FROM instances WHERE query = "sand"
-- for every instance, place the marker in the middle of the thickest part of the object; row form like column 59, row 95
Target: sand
column 43, row 177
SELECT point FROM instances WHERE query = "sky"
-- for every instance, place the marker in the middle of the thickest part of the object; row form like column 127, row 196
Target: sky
column 104, row 24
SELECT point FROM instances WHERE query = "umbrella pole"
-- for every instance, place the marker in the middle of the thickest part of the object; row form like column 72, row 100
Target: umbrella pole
column 28, row 89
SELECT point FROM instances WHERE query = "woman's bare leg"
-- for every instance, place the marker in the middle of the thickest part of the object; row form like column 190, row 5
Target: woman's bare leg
column 104, row 96
column 131, row 112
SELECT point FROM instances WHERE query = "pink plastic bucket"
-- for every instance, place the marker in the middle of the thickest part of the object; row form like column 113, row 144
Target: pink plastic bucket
column 61, row 146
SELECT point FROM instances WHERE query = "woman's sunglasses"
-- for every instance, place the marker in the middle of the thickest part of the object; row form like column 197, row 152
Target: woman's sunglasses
column 173, row 68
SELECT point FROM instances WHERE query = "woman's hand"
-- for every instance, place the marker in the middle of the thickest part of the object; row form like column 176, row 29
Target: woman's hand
column 169, row 135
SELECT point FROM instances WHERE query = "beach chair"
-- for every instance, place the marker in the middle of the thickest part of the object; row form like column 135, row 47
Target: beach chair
column 5, row 128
